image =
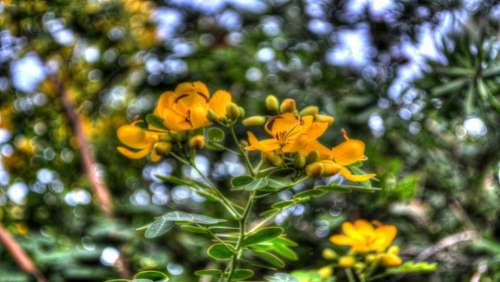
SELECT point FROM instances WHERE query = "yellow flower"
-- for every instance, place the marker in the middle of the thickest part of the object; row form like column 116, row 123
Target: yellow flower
column 344, row 154
column 187, row 107
column 143, row 141
column 364, row 237
column 290, row 133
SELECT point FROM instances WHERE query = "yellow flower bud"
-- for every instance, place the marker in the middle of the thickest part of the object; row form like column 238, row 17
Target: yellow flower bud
column 315, row 169
column 325, row 272
column 309, row 111
column 197, row 142
column 288, row 105
column 329, row 254
column 254, row 121
column 359, row 266
column 393, row 250
column 325, row 118
column 273, row 158
column 299, row 161
column 272, row 103
column 346, row 261
column 371, row 258
column 233, row 111
column 163, row 148
column 312, row 157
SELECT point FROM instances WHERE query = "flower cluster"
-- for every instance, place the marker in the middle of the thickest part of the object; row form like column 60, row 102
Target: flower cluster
column 178, row 117
column 294, row 134
column 370, row 245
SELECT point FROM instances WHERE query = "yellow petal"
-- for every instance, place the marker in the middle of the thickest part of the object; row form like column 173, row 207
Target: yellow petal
column 351, row 231
column 385, row 235
column 197, row 87
column 175, row 122
column 165, row 101
column 266, row 145
column 364, row 227
column 355, row 177
column 349, row 152
column 134, row 155
column 219, row 102
column 317, row 129
column 134, row 136
column 199, row 117
column 342, row 240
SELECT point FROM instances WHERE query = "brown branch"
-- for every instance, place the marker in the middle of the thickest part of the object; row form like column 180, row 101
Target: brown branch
column 19, row 255
column 100, row 189
column 447, row 242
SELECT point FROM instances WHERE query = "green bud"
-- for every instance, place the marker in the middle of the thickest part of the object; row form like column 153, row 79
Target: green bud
column 272, row 103
column 299, row 161
column 312, row 157
column 309, row 111
column 233, row 111
column 254, row 121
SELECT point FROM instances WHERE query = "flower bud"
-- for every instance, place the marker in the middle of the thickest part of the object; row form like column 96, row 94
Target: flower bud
column 233, row 111
column 312, row 157
column 329, row 254
column 197, row 142
column 299, row 161
column 372, row 258
column 273, row 158
column 288, row 105
column 178, row 135
column 272, row 104
column 359, row 266
column 163, row 148
column 393, row 250
column 325, row 272
column 315, row 169
column 254, row 121
column 242, row 112
column 309, row 111
column 325, row 118
column 346, row 261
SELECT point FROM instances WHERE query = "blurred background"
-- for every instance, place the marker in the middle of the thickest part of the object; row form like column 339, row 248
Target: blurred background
column 419, row 81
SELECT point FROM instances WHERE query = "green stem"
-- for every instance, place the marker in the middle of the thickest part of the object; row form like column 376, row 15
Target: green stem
column 350, row 276
column 225, row 201
column 242, row 152
column 242, row 226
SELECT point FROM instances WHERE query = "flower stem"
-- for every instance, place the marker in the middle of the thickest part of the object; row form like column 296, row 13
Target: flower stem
column 242, row 226
column 243, row 153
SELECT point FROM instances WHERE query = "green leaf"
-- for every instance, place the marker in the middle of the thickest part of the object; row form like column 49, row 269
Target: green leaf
column 239, row 181
column 285, row 252
column 262, row 235
column 278, row 183
column 220, row 251
column 270, row 258
column 450, row 87
column 256, row 184
column 215, row 134
column 310, row 193
column 155, row 121
column 285, row 241
column 152, row 275
column 159, row 227
column 284, row 204
column 174, row 180
column 194, row 229
column 242, row 274
column 281, row 277
column 270, row 212
column 117, row 280
column 190, row 217
column 208, row 272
